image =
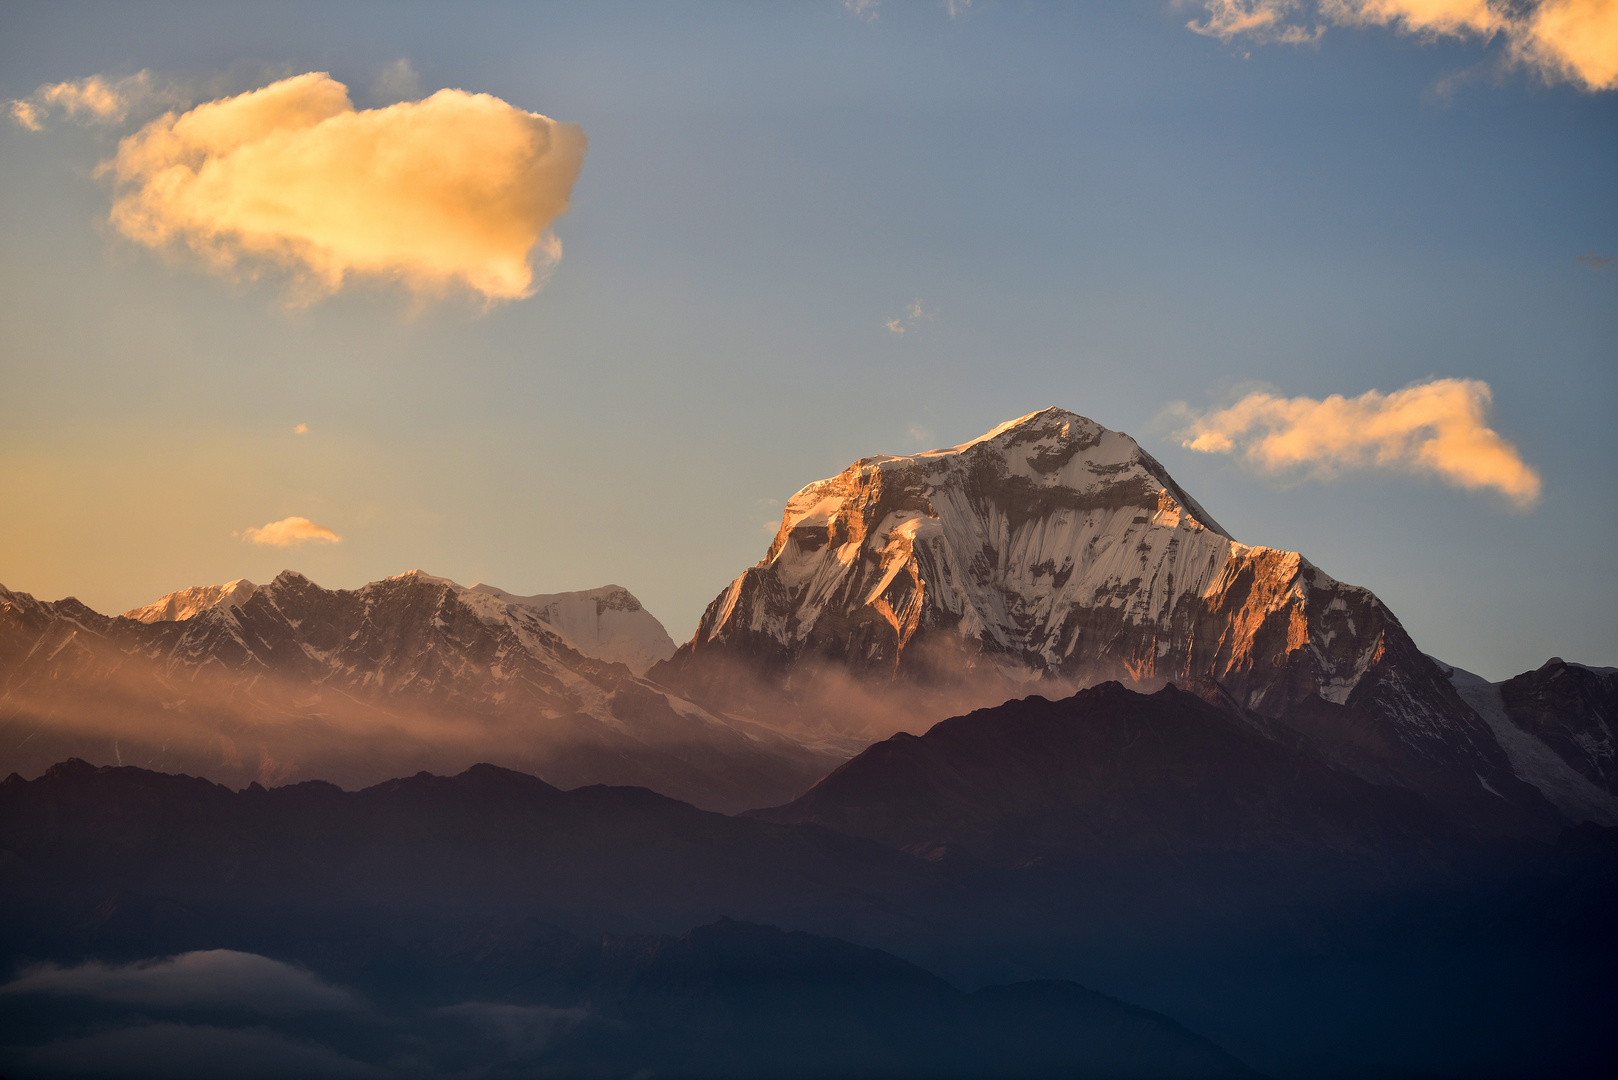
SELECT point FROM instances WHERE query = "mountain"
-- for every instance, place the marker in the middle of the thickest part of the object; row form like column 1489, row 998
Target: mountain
column 1109, row 773
column 289, row 681
column 607, row 623
column 1556, row 725
column 259, row 863
column 1052, row 552
column 489, row 920
column 187, row 603
column 490, row 915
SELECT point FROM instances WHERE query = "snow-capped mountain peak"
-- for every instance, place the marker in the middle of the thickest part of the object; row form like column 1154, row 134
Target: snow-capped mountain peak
column 189, row 603
column 1055, row 553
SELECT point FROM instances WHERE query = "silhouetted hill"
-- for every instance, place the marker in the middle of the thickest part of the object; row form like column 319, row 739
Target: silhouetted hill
column 1109, row 772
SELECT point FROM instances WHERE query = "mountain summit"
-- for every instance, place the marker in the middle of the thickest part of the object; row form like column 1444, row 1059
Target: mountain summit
column 1055, row 551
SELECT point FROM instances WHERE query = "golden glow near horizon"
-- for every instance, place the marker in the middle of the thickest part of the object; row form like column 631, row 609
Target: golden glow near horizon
column 1439, row 428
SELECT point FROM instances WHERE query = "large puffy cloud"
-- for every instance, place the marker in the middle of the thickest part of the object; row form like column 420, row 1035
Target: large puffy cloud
column 1564, row 40
column 1439, row 428
column 211, row 979
column 288, row 531
column 458, row 188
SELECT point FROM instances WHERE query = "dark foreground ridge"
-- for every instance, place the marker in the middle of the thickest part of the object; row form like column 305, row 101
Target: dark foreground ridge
column 1154, row 848
column 427, row 919
column 730, row 999
column 1109, row 772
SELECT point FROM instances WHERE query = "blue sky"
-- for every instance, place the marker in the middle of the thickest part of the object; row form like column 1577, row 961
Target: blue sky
column 1093, row 206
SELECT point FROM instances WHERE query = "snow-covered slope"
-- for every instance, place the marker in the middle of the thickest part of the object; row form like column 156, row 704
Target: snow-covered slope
column 356, row 686
column 1532, row 759
column 607, row 623
column 1055, row 553
column 186, row 603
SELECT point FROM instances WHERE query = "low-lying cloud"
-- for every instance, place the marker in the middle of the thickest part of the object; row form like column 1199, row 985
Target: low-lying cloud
column 457, row 189
column 289, row 531
column 170, row 1051
column 1573, row 41
column 1438, row 428
column 215, row 979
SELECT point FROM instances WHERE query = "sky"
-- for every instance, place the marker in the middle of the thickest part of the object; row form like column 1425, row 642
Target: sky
column 552, row 296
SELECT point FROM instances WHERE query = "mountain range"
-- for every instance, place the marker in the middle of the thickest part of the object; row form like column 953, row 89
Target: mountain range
column 1047, row 555
column 288, row 681
column 1018, row 712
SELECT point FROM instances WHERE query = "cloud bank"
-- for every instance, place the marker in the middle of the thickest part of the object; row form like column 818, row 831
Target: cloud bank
column 456, row 189
column 212, row 979
column 288, row 531
column 1438, row 428
column 1574, row 41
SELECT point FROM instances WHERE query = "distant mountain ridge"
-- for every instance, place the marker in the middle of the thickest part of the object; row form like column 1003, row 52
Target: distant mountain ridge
column 290, row 681
column 608, row 623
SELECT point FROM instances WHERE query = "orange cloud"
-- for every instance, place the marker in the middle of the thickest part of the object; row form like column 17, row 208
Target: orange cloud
column 28, row 115
column 1262, row 20
column 1574, row 41
column 1438, row 427
column 97, row 99
column 458, row 188
column 289, row 531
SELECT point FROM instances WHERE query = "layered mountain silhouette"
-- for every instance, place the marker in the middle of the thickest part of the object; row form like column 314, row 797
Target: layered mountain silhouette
column 481, row 899
column 491, row 920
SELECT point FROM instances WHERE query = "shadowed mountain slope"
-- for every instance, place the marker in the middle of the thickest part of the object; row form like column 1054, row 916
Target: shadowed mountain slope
column 1106, row 773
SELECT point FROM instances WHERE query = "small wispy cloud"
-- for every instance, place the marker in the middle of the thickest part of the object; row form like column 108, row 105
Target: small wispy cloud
column 914, row 315
column 1262, row 21
column 1591, row 261
column 289, row 531
column 97, row 99
column 866, row 10
column 1438, row 428
column 919, row 434
column 1573, row 41
column 398, row 82
column 957, row 8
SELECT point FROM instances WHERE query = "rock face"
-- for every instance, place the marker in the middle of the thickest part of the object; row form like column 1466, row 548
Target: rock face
column 1556, row 725
column 414, row 672
column 1054, row 552
column 1573, row 709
